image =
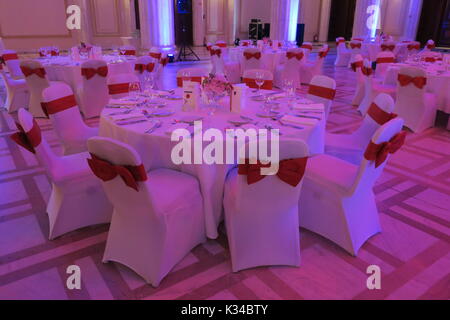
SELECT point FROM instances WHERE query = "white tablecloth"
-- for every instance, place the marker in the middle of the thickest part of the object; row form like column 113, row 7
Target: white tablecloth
column 155, row 148
column 438, row 84
column 372, row 49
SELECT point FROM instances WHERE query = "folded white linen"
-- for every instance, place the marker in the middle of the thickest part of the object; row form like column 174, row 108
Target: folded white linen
column 309, row 107
column 289, row 119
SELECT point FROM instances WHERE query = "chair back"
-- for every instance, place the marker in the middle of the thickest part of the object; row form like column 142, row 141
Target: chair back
column 384, row 60
column 190, row 74
column 95, row 89
column 36, row 79
column 251, row 59
column 356, row 64
column 217, row 60
column 322, row 89
column 145, row 66
column 340, row 45
column 119, row 84
column 249, row 78
column 128, row 50
column 12, row 62
column 290, row 70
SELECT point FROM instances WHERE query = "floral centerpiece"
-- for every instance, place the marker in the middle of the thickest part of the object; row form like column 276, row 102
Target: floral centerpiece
column 215, row 87
column 84, row 49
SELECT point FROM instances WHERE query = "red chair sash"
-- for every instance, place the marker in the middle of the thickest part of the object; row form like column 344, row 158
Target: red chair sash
column 430, row 59
column 142, row 67
column 27, row 71
column 156, row 55
column 358, row 39
column 245, row 44
column 379, row 115
column 164, row 61
column 208, row 48
column 10, row 56
column 90, row 72
column 357, row 64
column 107, row 171
column 307, row 46
column 216, row 52
column 413, row 47
column 58, row 105
column 339, row 41
column 405, row 80
column 431, row 46
column 379, row 152
column 386, row 60
column 221, row 45
column 385, row 47
column 194, row 79
column 267, row 85
column 129, row 53
column 53, row 53
column 118, row 88
column 28, row 140
column 367, row 71
column 249, row 55
column 291, row 55
column 322, row 92
column 323, row 54
column 355, row 45
column 290, row 171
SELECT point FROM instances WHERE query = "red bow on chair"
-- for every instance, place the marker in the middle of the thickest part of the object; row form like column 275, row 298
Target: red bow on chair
column 107, row 171
column 339, row 42
column 405, row 80
column 249, row 55
column 28, row 140
column 379, row 115
column 217, row 52
column 355, row 45
column 156, row 55
column 385, row 60
column 142, row 67
column 322, row 92
column 413, row 46
column 357, row 64
column 10, row 56
column 431, row 46
column 307, row 46
column 129, row 53
column 290, row 171
column 208, row 48
column 367, row 71
column 430, row 59
column 90, row 72
column 58, row 105
column 245, row 44
column 323, row 54
column 385, row 47
column 40, row 72
column 164, row 61
column 53, row 53
column 379, row 152
column 298, row 56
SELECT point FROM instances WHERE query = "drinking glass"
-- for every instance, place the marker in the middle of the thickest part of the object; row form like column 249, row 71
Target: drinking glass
column 149, row 84
column 259, row 80
column 134, row 89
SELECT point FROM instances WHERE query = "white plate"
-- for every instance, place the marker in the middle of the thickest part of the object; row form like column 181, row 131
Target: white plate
column 190, row 119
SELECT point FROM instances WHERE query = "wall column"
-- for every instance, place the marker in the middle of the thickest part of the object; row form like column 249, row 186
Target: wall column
column 283, row 20
column 367, row 18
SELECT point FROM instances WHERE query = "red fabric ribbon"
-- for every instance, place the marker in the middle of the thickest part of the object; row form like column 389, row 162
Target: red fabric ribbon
column 290, row 171
column 194, row 79
column 245, row 44
column 385, row 60
column 267, row 85
column 249, row 55
column 379, row 152
column 291, row 55
column 355, row 45
column 323, row 54
column 358, row 39
column 164, row 61
column 107, row 171
column 155, row 55
column 431, row 46
column 379, row 115
column 40, row 72
column 385, row 47
column 307, row 46
column 53, row 53
column 357, row 64
column 58, row 105
column 10, row 56
column 142, row 67
column 405, row 80
column 322, row 92
column 208, row 48
column 118, row 88
column 129, row 53
column 90, row 72
column 221, row 45
column 340, row 41
column 28, row 140
column 216, row 52
column 367, row 71
column 430, row 59
column 414, row 46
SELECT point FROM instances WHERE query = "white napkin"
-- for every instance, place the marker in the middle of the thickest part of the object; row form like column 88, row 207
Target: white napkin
column 309, row 107
column 123, row 102
column 288, row 119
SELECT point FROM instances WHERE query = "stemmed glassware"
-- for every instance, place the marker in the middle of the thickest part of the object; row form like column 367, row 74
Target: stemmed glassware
column 134, row 90
column 259, row 80
column 289, row 89
column 149, row 84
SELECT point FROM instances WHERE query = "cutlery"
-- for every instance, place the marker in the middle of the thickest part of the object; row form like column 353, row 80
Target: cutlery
column 123, row 123
column 121, row 112
column 116, row 107
column 129, row 118
column 291, row 125
column 308, row 117
column 155, row 126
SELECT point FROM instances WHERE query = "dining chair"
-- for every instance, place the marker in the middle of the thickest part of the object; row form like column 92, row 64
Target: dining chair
column 250, row 76
column 93, row 92
column 416, row 106
column 251, row 59
column 190, row 74
column 337, row 199
column 59, row 103
column 145, row 66
column 290, row 70
column 350, row 147
column 322, row 89
column 343, row 54
column 310, row 69
column 12, row 63
column 383, row 61
column 77, row 199
column 158, row 215
column 356, row 65
column 119, row 84
column 17, row 94
column 261, row 211
column 307, row 48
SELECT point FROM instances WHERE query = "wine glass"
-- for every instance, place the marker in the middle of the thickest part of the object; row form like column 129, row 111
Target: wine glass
column 149, row 84
column 259, row 80
column 289, row 89
column 133, row 90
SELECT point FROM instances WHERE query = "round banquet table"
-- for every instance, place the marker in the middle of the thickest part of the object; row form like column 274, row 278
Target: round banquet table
column 372, row 49
column 155, row 148
column 438, row 81
column 63, row 68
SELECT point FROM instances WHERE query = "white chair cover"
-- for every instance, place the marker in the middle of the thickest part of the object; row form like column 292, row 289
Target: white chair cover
column 77, row 199
column 250, row 76
column 190, row 74
column 149, row 67
column 337, row 200
column 118, row 84
column 355, row 48
column 290, row 70
column 309, row 70
column 262, row 218
column 218, row 66
column 12, row 63
column 326, row 98
column 252, row 63
column 152, row 228
column 350, row 147
column 17, row 94
column 384, row 60
column 343, row 54
column 356, row 63
column 93, row 93
column 306, row 47
column 67, row 122
column 413, row 104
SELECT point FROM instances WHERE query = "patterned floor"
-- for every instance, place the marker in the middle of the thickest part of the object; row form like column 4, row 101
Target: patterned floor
column 413, row 251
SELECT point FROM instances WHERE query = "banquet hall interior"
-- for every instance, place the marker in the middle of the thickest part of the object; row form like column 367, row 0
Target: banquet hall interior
column 128, row 138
